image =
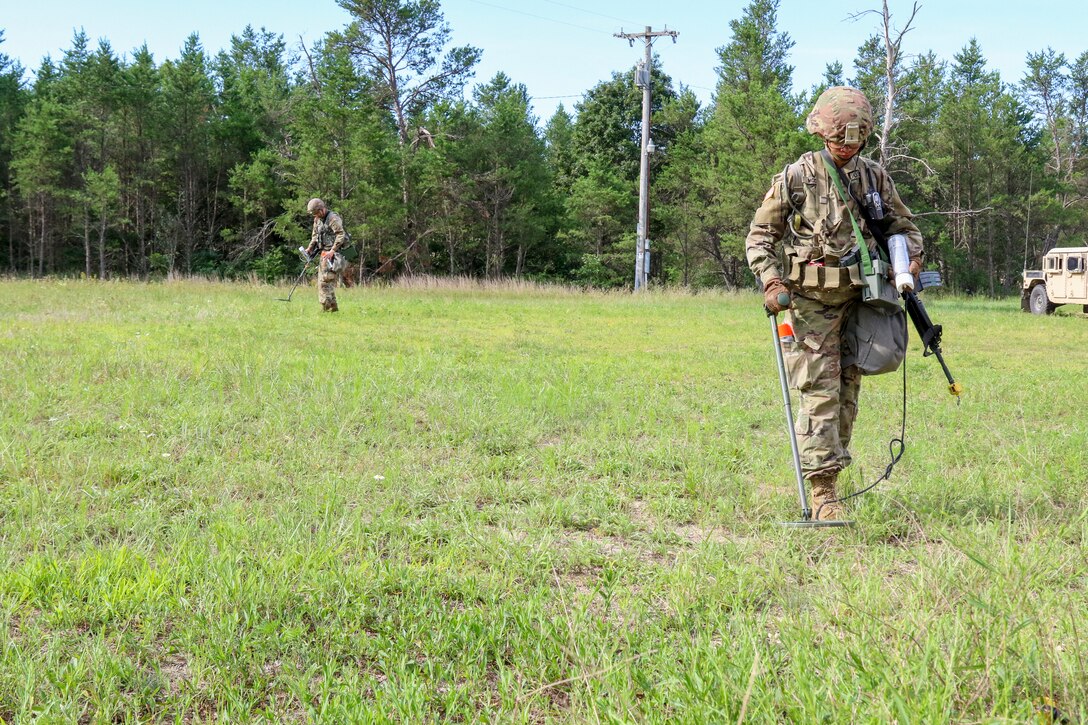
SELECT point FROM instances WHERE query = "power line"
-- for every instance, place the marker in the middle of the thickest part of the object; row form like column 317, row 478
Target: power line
column 539, row 17
column 602, row 15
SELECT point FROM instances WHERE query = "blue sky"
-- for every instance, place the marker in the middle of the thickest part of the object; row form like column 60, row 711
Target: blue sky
column 561, row 48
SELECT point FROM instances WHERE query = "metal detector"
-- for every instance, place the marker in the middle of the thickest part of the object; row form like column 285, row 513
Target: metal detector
column 806, row 522
column 301, row 275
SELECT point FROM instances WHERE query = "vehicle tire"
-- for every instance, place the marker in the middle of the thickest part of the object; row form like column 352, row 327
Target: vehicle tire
column 1038, row 302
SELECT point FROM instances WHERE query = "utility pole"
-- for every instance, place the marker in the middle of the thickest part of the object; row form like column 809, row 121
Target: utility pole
column 642, row 80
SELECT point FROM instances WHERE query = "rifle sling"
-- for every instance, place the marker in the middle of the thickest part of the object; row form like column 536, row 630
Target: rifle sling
column 875, row 228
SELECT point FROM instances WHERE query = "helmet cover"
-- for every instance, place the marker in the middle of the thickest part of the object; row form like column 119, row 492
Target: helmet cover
column 841, row 115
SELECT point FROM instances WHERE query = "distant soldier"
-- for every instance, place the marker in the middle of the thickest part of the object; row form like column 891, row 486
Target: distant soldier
column 329, row 238
column 800, row 242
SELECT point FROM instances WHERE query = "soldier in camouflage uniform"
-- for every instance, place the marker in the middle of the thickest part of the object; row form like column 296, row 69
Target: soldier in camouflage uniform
column 329, row 237
column 799, row 236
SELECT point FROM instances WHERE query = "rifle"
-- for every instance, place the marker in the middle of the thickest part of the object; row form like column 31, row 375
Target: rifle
column 309, row 258
column 929, row 333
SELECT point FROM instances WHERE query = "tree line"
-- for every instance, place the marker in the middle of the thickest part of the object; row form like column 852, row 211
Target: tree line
column 202, row 164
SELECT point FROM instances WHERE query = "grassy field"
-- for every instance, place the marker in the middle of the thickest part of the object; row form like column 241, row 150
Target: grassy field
column 451, row 503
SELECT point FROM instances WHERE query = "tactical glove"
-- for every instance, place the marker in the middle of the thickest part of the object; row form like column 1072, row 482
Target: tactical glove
column 771, row 290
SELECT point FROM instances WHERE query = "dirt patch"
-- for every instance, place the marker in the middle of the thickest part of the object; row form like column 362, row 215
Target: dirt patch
column 638, row 510
column 584, row 580
column 694, row 534
column 175, row 671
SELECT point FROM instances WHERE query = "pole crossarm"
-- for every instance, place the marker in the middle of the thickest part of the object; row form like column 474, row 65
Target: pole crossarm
column 647, row 35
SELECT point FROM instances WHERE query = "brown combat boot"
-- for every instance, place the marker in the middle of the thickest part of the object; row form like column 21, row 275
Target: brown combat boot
column 824, row 506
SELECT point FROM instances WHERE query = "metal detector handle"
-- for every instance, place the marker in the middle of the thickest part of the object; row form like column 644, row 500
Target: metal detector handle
column 806, row 512
column 783, row 302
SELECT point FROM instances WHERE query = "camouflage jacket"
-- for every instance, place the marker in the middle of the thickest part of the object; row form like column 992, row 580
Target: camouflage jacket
column 803, row 219
column 328, row 233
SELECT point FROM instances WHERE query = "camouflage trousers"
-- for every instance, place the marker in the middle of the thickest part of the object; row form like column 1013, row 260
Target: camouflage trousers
column 327, row 280
column 828, row 393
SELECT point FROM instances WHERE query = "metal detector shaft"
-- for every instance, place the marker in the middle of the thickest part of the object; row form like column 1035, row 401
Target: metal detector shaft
column 806, row 512
column 295, row 285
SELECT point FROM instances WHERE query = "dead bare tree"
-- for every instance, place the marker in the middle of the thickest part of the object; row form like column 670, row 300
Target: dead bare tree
column 315, row 83
column 893, row 43
column 958, row 218
column 254, row 241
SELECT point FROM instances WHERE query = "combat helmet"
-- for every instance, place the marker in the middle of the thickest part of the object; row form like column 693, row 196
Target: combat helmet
column 841, row 115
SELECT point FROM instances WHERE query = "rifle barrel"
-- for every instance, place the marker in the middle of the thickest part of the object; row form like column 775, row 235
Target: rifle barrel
column 930, row 335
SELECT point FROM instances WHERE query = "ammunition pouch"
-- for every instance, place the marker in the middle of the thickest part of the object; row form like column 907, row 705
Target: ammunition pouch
column 803, row 272
column 804, row 276
column 879, row 290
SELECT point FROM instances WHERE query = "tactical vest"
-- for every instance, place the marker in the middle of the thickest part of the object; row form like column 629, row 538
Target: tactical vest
column 326, row 237
column 820, row 252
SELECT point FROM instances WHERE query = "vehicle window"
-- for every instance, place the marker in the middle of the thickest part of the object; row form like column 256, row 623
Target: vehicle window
column 1074, row 264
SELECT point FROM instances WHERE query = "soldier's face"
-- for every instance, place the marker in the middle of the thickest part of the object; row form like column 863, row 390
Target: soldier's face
column 318, row 213
column 843, row 152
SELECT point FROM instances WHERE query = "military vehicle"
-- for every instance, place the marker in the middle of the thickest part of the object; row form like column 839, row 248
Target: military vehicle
column 1063, row 280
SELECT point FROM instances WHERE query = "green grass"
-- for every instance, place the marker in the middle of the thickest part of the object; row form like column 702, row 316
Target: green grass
column 451, row 503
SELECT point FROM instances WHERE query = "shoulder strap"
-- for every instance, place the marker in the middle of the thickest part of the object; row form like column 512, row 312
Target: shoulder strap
column 876, row 228
column 789, row 186
column 836, row 176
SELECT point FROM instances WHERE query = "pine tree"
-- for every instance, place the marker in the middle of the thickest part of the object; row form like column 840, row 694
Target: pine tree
column 751, row 133
column 509, row 176
column 140, row 164
column 255, row 105
column 680, row 201
column 401, row 46
column 41, row 150
column 1058, row 91
column 102, row 191
column 12, row 103
column 189, row 93
column 559, row 140
column 342, row 148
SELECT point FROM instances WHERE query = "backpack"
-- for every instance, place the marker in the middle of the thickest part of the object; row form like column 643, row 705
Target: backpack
column 349, row 251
